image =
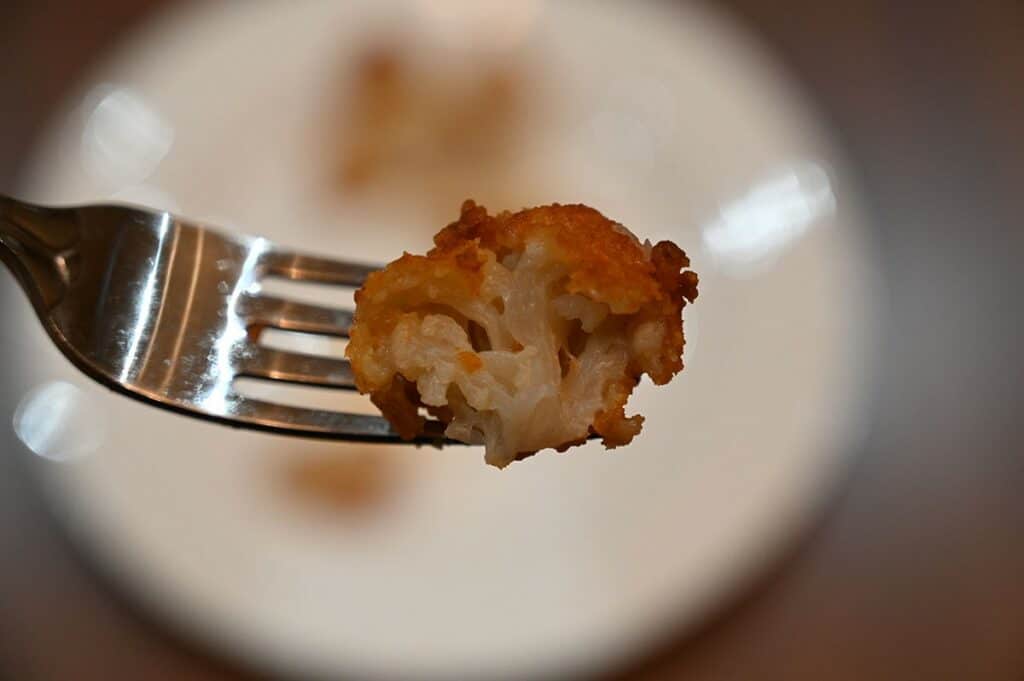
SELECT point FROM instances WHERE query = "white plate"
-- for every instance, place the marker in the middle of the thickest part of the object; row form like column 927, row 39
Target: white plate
column 669, row 121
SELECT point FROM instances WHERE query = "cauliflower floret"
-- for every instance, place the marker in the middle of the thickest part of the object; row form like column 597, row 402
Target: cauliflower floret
column 522, row 331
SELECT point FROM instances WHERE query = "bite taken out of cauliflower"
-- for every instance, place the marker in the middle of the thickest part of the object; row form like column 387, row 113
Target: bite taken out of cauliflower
column 522, row 331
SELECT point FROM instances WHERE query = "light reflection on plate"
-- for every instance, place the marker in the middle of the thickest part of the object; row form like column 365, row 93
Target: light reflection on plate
column 124, row 138
column 754, row 229
column 59, row 422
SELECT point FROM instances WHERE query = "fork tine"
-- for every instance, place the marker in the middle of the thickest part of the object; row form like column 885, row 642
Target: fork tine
column 312, row 421
column 289, row 420
column 310, row 268
column 294, row 316
column 293, row 367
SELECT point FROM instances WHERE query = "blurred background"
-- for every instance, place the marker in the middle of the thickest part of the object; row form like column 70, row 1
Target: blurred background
column 911, row 569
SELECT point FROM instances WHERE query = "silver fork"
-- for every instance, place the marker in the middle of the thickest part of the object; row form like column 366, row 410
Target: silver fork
column 170, row 313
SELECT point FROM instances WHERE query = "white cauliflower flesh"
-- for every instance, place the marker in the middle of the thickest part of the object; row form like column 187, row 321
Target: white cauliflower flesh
column 522, row 331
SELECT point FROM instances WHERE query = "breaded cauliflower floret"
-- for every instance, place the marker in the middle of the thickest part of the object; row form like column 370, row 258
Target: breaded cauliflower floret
column 522, row 331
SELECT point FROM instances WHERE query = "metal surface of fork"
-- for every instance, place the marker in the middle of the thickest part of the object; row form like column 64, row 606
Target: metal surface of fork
column 170, row 313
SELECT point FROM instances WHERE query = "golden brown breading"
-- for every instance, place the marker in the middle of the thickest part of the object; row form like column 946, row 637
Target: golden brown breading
column 522, row 330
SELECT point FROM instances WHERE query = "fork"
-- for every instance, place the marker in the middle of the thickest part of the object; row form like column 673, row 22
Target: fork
column 170, row 312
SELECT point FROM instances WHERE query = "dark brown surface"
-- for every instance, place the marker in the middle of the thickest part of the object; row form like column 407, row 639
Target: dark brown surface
column 916, row 571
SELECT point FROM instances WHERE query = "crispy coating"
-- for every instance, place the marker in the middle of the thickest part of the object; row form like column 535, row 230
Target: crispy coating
column 522, row 330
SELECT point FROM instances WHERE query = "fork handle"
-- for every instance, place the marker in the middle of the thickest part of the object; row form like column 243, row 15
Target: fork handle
column 37, row 244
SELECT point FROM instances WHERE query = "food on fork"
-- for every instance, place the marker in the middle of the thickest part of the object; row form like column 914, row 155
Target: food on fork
column 522, row 331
